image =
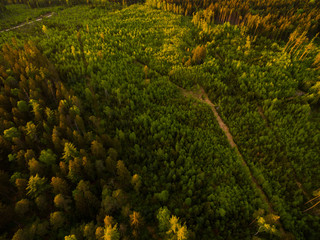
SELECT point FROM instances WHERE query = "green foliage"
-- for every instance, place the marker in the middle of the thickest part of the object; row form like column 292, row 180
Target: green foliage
column 23, row 106
column 36, row 186
column 163, row 196
column 47, row 157
column 123, row 72
column 12, row 157
column 70, row 237
column 11, row 133
column 188, row 201
column 163, row 217
column 14, row 14
column 69, row 151
column 170, row 227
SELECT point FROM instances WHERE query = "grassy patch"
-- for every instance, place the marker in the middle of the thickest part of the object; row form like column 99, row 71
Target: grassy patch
column 19, row 13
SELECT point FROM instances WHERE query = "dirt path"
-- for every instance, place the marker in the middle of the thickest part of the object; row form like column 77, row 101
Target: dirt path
column 48, row 15
column 203, row 97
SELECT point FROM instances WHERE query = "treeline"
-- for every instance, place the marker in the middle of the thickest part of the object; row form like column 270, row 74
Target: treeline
column 276, row 19
column 45, row 3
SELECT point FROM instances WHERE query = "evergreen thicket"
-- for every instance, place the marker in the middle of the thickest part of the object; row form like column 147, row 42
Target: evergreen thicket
column 108, row 125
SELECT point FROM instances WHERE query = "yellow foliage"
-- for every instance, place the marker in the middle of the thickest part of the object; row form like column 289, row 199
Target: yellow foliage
column 73, row 50
column 182, row 233
column 261, row 220
column 174, row 223
column 135, row 219
column 108, row 220
column 44, row 29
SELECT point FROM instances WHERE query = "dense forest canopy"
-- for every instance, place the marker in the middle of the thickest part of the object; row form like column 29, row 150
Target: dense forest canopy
column 276, row 19
column 159, row 120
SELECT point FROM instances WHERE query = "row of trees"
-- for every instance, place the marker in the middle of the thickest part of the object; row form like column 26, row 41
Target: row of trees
column 45, row 3
column 275, row 19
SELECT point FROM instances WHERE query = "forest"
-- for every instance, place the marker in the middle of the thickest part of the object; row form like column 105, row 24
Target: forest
column 159, row 119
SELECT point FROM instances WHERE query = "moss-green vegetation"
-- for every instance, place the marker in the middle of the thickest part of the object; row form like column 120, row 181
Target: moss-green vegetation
column 18, row 13
column 99, row 142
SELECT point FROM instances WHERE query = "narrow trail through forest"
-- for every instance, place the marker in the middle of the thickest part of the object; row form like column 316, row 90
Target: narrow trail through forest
column 203, row 97
column 48, row 15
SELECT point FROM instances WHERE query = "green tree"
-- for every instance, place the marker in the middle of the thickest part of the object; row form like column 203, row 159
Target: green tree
column 48, row 157
column 22, row 106
column 163, row 196
column 31, row 130
column 11, row 133
column 36, row 186
column 70, row 237
column 163, row 217
column 69, row 151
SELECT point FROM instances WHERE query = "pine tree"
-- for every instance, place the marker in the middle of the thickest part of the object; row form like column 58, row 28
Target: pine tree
column 97, row 149
column 108, row 220
column 35, row 167
column 70, row 151
column 136, row 182
column 61, row 202
column 57, row 220
column 89, row 231
column 20, row 235
column 36, row 186
column 22, row 207
column 59, row 186
column 111, row 233
column 123, row 173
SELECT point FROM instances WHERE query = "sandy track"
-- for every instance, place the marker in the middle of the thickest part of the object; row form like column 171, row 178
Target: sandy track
column 48, row 15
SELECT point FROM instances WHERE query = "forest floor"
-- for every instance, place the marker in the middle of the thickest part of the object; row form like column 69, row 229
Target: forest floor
column 202, row 96
column 48, row 15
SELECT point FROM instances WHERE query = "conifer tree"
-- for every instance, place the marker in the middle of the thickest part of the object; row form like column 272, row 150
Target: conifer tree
column 111, row 233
